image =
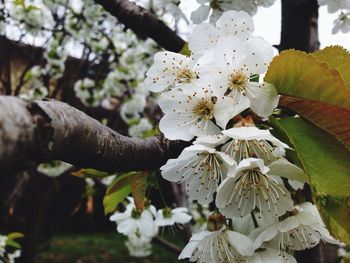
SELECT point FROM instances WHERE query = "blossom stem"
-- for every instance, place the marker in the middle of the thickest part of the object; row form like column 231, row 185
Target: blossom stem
column 256, row 225
column 166, row 245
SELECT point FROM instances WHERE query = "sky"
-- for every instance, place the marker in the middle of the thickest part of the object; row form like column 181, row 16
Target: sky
column 268, row 24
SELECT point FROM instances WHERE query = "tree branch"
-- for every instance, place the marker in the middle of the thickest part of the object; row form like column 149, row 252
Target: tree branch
column 32, row 132
column 143, row 22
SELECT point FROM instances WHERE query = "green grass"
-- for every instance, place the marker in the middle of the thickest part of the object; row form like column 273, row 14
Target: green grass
column 101, row 248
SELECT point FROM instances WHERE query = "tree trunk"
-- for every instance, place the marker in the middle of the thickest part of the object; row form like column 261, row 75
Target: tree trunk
column 299, row 25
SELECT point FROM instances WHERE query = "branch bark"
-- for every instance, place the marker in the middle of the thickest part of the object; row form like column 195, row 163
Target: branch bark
column 32, row 132
column 143, row 22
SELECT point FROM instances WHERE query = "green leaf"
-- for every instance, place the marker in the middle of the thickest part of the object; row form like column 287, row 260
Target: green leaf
column 333, row 119
column 299, row 74
column 90, row 173
column 325, row 160
column 15, row 235
column 118, row 191
column 139, row 186
column 111, row 201
column 337, row 58
column 335, row 213
column 12, row 243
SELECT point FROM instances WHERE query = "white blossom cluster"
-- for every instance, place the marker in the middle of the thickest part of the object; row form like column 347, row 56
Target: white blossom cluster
column 216, row 7
column 232, row 163
column 31, row 18
column 342, row 22
column 142, row 226
column 36, row 88
column 2, row 20
column 55, row 56
column 5, row 256
column 124, row 83
column 167, row 10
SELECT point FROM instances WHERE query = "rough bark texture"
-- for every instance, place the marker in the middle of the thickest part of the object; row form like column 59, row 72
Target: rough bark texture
column 48, row 130
column 143, row 23
column 299, row 25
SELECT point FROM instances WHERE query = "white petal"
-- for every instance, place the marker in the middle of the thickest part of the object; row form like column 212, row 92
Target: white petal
column 201, row 14
column 175, row 127
column 203, row 38
column 182, row 218
column 236, row 23
column 127, row 227
column 241, row 243
column 283, row 168
column 226, row 109
column 228, row 53
column 204, row 127
column 211, row 141
column 261, row 235
column 257, row 57
column 263, row 98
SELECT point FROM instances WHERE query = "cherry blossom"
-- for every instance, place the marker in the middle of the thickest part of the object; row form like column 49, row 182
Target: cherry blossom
column 170, row 217
column 132, row 221
column 253, row 186
column 303, row 229
column 201, row 168
column 252, row 142
column 217, row 246
column 235, row 65
column 170, row 70
column 192, row 112
column 335, row 5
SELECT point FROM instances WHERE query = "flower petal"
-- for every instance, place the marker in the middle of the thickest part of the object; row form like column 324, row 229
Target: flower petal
column 263, row 98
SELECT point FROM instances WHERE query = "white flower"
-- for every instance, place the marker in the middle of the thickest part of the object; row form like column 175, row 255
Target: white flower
column 140, row 128
column 3, row 240
column 132, row 108
column 191, row 112
column 342, row 23
column 200, row 14
column 253, row 186
column 265, row 3
column 301, row 230
column 33, row 18
column 13, row 256
column 232, row 23
column 84, row 90
column 132, row 221
column 236, row 63
column 252, row 142
column 218, row 6
column 169, row 217
column 54, row 168
column 335, row 5
column 170, row 70
column 169, row 6
column 218, row 246
column 270, row 255
column 201, row 168
column 36, row 92
column 139, row 246
column 113, row 84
